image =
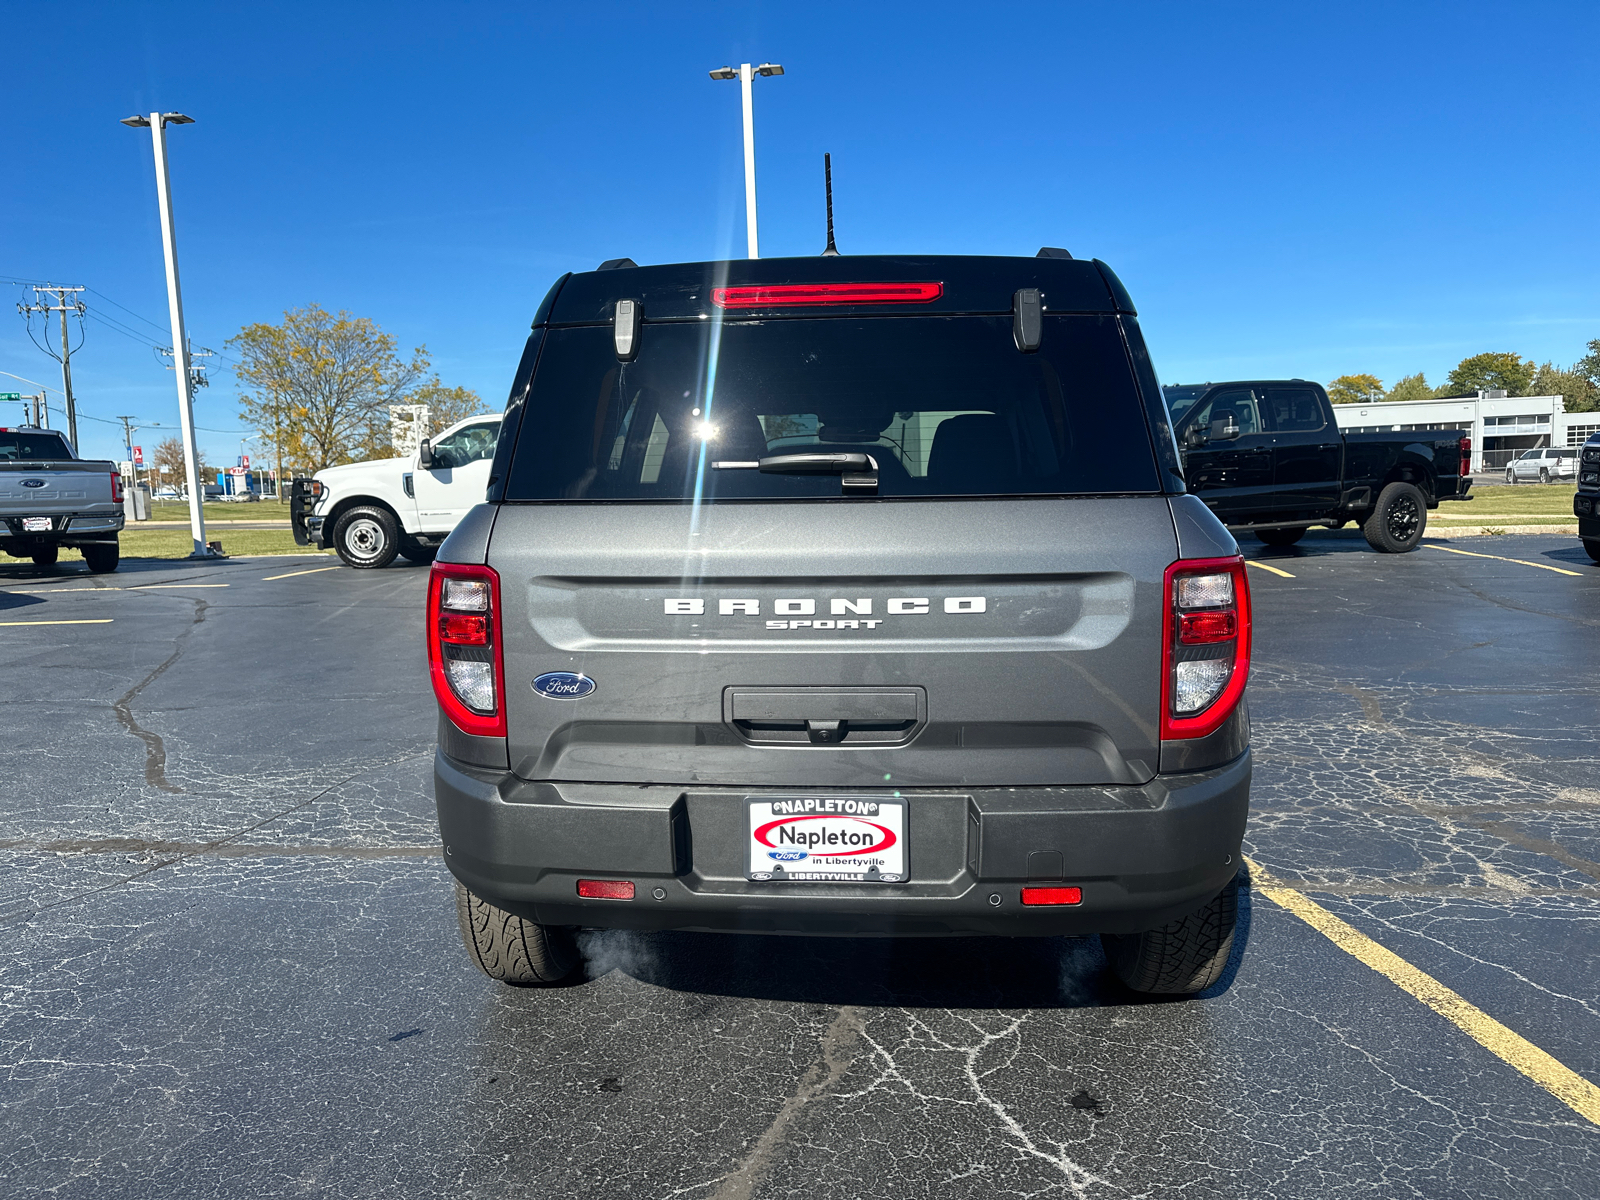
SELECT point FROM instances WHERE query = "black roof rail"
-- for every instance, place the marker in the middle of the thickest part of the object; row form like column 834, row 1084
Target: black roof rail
column 1053, row 252
column 611, row 264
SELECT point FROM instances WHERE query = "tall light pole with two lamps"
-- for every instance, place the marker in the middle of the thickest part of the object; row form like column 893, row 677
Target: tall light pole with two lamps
column 745, row 73
column 157, row 123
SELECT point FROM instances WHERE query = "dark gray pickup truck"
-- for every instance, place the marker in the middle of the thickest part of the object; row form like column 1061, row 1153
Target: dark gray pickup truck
column 50, row 498
column 1267, row 455
column 810, row 597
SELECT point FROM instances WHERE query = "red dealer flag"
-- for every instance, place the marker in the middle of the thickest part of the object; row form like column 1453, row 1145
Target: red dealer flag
column 138, row 456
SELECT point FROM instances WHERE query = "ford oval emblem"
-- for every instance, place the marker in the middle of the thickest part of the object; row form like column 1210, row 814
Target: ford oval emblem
column 563, row 685
column 33, row 483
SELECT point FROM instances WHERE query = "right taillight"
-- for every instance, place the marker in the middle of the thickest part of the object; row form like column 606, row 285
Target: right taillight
column 1205, row 645
column 1465, row 448
column 464, row 656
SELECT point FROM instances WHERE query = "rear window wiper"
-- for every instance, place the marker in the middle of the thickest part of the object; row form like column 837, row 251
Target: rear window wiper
column 858, row 473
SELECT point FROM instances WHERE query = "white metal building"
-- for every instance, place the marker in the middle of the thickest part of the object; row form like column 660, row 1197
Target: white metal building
column 1501, row 426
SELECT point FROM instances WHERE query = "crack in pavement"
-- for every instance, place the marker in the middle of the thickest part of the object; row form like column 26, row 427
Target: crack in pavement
column 839, row 1042
column 155, row 750
column 118, row 845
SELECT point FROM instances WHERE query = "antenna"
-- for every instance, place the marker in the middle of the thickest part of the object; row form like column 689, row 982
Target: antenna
column 830, row 251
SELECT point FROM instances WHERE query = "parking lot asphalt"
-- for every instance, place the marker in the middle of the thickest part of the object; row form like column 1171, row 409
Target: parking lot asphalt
column 231, row 965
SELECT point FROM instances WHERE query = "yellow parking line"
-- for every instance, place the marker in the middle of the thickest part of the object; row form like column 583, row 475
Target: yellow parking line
column 101, row 621
column 1253, row 563
column 1565, row 1084
column 1521, row 562
column 292, row 574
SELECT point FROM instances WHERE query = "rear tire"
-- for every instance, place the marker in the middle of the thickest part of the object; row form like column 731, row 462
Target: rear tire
column 1593, row 547
column 1511, row 476
column 45, row 556
column 1182, row 958
column 1544, row 475
column 415, row 552
column 1280, row 537
column 367, row 537
column 512, row 949
column 102, row 558
column 1397, row 521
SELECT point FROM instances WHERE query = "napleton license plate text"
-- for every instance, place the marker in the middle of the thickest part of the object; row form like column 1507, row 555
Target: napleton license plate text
column 822, row 839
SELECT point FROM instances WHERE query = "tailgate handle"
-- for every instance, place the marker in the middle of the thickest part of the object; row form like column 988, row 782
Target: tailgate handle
column 825, row 716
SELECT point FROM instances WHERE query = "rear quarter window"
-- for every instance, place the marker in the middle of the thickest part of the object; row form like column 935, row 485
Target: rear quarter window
column 947, row 406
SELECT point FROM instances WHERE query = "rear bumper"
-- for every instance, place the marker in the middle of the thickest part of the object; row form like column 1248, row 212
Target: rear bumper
column 1143, row 856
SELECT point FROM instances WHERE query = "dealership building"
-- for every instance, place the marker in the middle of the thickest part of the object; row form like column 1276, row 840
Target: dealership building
column 1501, row 426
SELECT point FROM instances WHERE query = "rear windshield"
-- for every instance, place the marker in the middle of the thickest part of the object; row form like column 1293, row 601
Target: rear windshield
column 946, row 405
column 32, row 447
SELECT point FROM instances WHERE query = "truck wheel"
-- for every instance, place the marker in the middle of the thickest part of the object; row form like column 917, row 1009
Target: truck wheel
column 1511, row 476
column 102, row 557
column 45, row 556
column 1280, row 537
column 1593, row 547
column 416, row 552
column 1179, row 959
column 1397, row 520
column 366, row 537
column 511, row 949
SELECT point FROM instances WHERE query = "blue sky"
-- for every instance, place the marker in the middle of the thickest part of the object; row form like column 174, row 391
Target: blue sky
column 1287, row 190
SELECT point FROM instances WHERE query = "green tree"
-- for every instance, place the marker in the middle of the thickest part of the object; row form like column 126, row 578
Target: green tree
column 1589, row 365
column 1493, row 370
column 1354, row 389
column 447, row 405
column 1577, row 391
column 320, row 384
column 1411, row 387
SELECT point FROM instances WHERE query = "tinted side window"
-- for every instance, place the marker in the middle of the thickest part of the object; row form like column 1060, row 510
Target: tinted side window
column 1293, row 410
column 947, row 406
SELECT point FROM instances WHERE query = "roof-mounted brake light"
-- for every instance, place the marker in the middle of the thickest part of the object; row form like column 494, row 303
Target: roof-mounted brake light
column 794, row 295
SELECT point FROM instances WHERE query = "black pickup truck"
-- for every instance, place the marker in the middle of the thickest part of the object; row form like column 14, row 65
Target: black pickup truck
column 1266, row 455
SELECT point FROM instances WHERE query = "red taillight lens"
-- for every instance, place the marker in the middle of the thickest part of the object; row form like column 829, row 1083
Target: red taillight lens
column 116, row 487
column 1203, row 628
column 464, row 629
column 1466, row 456
column 605, row 889
column 1052, row 895
column 789, row 295
column 1206, row 645
column 465, row 660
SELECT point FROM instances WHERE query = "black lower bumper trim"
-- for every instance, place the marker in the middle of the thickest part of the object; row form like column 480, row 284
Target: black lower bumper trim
column 1143, row 856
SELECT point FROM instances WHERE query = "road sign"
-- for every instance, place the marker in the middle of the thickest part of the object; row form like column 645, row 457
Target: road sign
column 10, row 395
column 138, row 456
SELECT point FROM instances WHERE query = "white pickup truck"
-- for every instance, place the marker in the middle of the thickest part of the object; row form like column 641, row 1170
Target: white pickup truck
column 371, row 511
column 50, row 498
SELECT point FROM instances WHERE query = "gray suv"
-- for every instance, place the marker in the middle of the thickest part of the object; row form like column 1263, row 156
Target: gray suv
column 848, row 596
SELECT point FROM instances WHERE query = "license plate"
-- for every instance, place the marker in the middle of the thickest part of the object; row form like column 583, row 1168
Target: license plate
column 35, row 524
column 827, row 839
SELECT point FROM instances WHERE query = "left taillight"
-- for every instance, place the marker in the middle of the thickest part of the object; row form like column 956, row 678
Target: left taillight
column 1464, row 447
column 1206, row 645
column 116, row 487
column 464, row 655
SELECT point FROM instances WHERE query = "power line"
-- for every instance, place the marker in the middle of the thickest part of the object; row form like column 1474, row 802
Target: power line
column 63, row 306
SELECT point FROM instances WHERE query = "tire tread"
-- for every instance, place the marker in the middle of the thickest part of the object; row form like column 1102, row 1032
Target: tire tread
column 1184, row 957
column 510, row 948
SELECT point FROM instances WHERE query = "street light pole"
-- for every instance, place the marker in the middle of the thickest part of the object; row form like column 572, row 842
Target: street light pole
column 746, row 75
column 157, row 123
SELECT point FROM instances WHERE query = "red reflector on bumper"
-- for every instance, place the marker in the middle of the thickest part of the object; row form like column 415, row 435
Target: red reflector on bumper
column 1052, row 895
column 605, row 889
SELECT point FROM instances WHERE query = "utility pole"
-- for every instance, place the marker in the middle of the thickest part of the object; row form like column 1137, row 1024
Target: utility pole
column 746, row 75
column 127, row 440
column 63, row 306
column 157, row 123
